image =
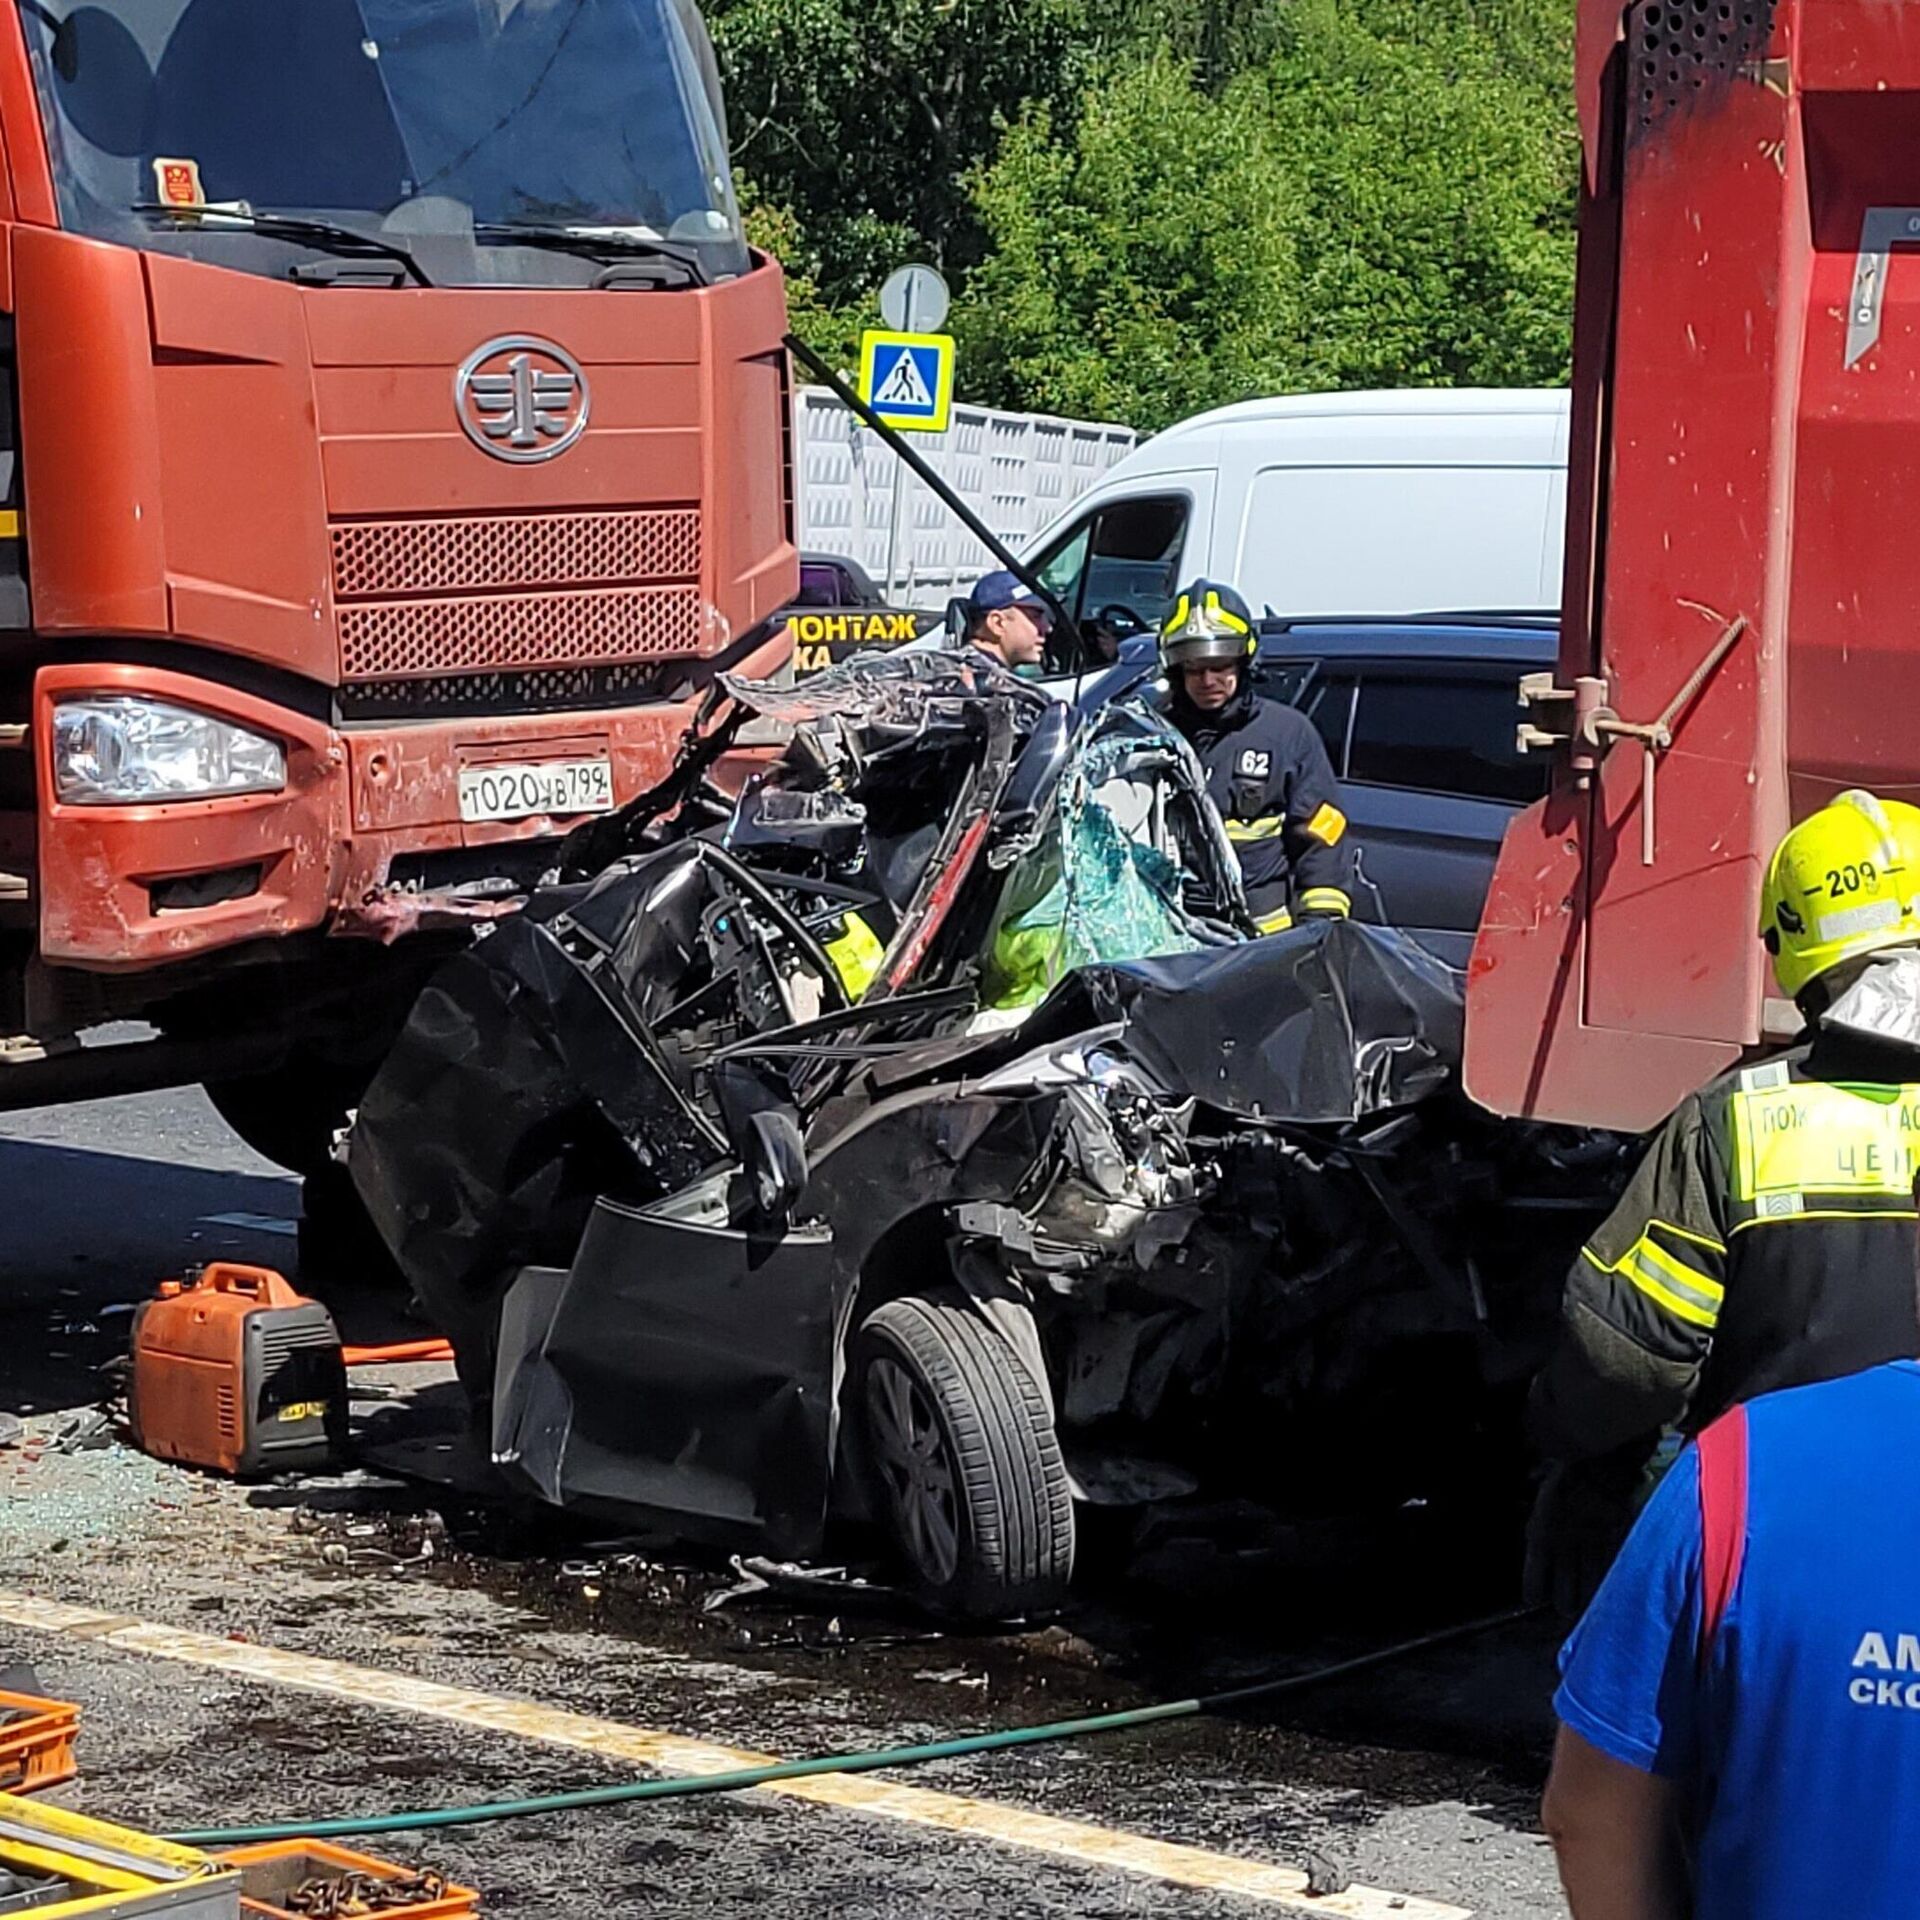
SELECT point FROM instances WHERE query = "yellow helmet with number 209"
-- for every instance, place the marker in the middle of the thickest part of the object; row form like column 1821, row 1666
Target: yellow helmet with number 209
column 1844, row 882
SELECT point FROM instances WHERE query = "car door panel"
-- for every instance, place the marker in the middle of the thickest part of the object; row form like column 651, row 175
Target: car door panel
column 1424, row 862
column 682, row 1368
column 1423, row 754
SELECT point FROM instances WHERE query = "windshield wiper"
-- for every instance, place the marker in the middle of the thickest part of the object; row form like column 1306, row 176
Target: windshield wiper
column 334, row 236
column 589, row 240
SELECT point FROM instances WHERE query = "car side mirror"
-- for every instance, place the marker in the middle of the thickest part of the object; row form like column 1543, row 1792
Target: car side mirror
column 774, row 1158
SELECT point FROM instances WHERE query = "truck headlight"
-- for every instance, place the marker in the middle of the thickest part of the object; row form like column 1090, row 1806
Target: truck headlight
column 119, row 749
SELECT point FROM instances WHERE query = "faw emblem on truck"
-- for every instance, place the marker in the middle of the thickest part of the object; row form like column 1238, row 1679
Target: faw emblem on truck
column 520, row 398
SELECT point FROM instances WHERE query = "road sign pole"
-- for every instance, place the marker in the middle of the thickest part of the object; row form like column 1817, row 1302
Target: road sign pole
column 914, row 393
column 914, row 300
column 894, row 516
column 862, row 410
column 909, row 305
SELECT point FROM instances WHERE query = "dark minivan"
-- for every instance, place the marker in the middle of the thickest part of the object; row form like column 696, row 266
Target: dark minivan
column 1420, row 719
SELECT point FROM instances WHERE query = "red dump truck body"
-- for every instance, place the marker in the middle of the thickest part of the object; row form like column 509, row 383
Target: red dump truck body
column 1743, row 571
column 395, row 416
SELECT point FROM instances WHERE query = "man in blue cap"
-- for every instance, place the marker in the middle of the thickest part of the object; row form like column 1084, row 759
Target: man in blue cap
column 1007, row 621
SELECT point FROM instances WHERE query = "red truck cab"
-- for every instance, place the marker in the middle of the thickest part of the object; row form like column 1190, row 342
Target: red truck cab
column 396, row 422
column 1739, row 639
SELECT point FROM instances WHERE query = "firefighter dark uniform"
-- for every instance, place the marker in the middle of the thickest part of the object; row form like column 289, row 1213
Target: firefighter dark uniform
column 1267, row 770
column 1767, row 1241
column 1768, row 1238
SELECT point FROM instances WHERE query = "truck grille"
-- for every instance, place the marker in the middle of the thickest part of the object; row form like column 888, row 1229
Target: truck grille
column 452, row 696
column 401, row 639
column 515, row 591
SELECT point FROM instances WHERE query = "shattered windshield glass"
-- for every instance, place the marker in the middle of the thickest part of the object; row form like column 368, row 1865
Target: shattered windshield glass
column 1113, row 872
column 1101, row 826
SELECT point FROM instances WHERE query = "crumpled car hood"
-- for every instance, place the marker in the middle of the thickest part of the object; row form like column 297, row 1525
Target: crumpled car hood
column 1330, row 1022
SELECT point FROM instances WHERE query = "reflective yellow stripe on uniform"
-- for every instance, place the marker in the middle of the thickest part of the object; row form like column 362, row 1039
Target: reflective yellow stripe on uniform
column 1326, row 900
column 1669, row 1281
column 1276, row 922
column 1269, row 827
column 1328, row 824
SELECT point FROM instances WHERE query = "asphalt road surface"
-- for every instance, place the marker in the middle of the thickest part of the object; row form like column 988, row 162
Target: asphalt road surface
column 448, row 1653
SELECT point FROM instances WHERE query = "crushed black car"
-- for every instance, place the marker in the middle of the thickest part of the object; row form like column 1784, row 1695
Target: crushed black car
column 925, row 1141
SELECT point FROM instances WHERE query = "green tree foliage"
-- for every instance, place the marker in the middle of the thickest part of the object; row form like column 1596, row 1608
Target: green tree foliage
column 1150, row 206
column 866, row 118
column 776, row 229
column 1147, row 268
column 1437, row 155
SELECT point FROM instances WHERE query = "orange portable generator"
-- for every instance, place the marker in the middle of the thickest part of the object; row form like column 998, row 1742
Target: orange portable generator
column 234, row 1370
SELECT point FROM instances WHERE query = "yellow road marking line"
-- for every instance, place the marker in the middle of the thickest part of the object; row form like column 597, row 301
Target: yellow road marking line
column 1079, row 1841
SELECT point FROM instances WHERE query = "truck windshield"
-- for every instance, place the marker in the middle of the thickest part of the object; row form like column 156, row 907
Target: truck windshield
column 438, row 125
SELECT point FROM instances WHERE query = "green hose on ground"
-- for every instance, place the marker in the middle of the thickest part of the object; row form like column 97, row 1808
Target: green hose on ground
column 745, row 1777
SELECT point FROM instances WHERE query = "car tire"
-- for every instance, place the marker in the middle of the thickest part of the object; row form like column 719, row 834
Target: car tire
column 964, row 1467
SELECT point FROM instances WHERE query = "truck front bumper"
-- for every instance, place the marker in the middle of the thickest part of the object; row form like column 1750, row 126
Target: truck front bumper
column 126, row 887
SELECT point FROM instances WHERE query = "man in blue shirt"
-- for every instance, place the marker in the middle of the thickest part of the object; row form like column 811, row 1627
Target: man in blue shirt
column 1007, row 621
column 1765, row 1766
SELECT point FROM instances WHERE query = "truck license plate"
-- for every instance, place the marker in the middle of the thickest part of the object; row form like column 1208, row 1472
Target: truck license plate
column 515, row 792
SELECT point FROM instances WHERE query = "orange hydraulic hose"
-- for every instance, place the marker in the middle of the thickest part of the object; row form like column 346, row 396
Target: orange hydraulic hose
column 401, row 1353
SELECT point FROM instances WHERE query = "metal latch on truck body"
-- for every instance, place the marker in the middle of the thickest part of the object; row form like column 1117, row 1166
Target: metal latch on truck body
column 1579, row 718
column 1881, row 230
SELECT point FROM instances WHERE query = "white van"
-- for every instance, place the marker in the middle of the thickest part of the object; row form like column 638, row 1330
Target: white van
column 1429, row 500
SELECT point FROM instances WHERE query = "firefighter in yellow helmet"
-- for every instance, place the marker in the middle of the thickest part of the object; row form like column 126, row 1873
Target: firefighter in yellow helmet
column 1768, row 1238
column 1267, row 771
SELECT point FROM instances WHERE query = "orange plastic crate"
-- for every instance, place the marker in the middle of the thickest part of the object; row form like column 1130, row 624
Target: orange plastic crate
column 36, row 1750
column 272, row 1871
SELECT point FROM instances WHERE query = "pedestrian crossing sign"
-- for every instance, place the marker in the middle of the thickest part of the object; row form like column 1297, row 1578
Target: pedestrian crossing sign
column 907, row 379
